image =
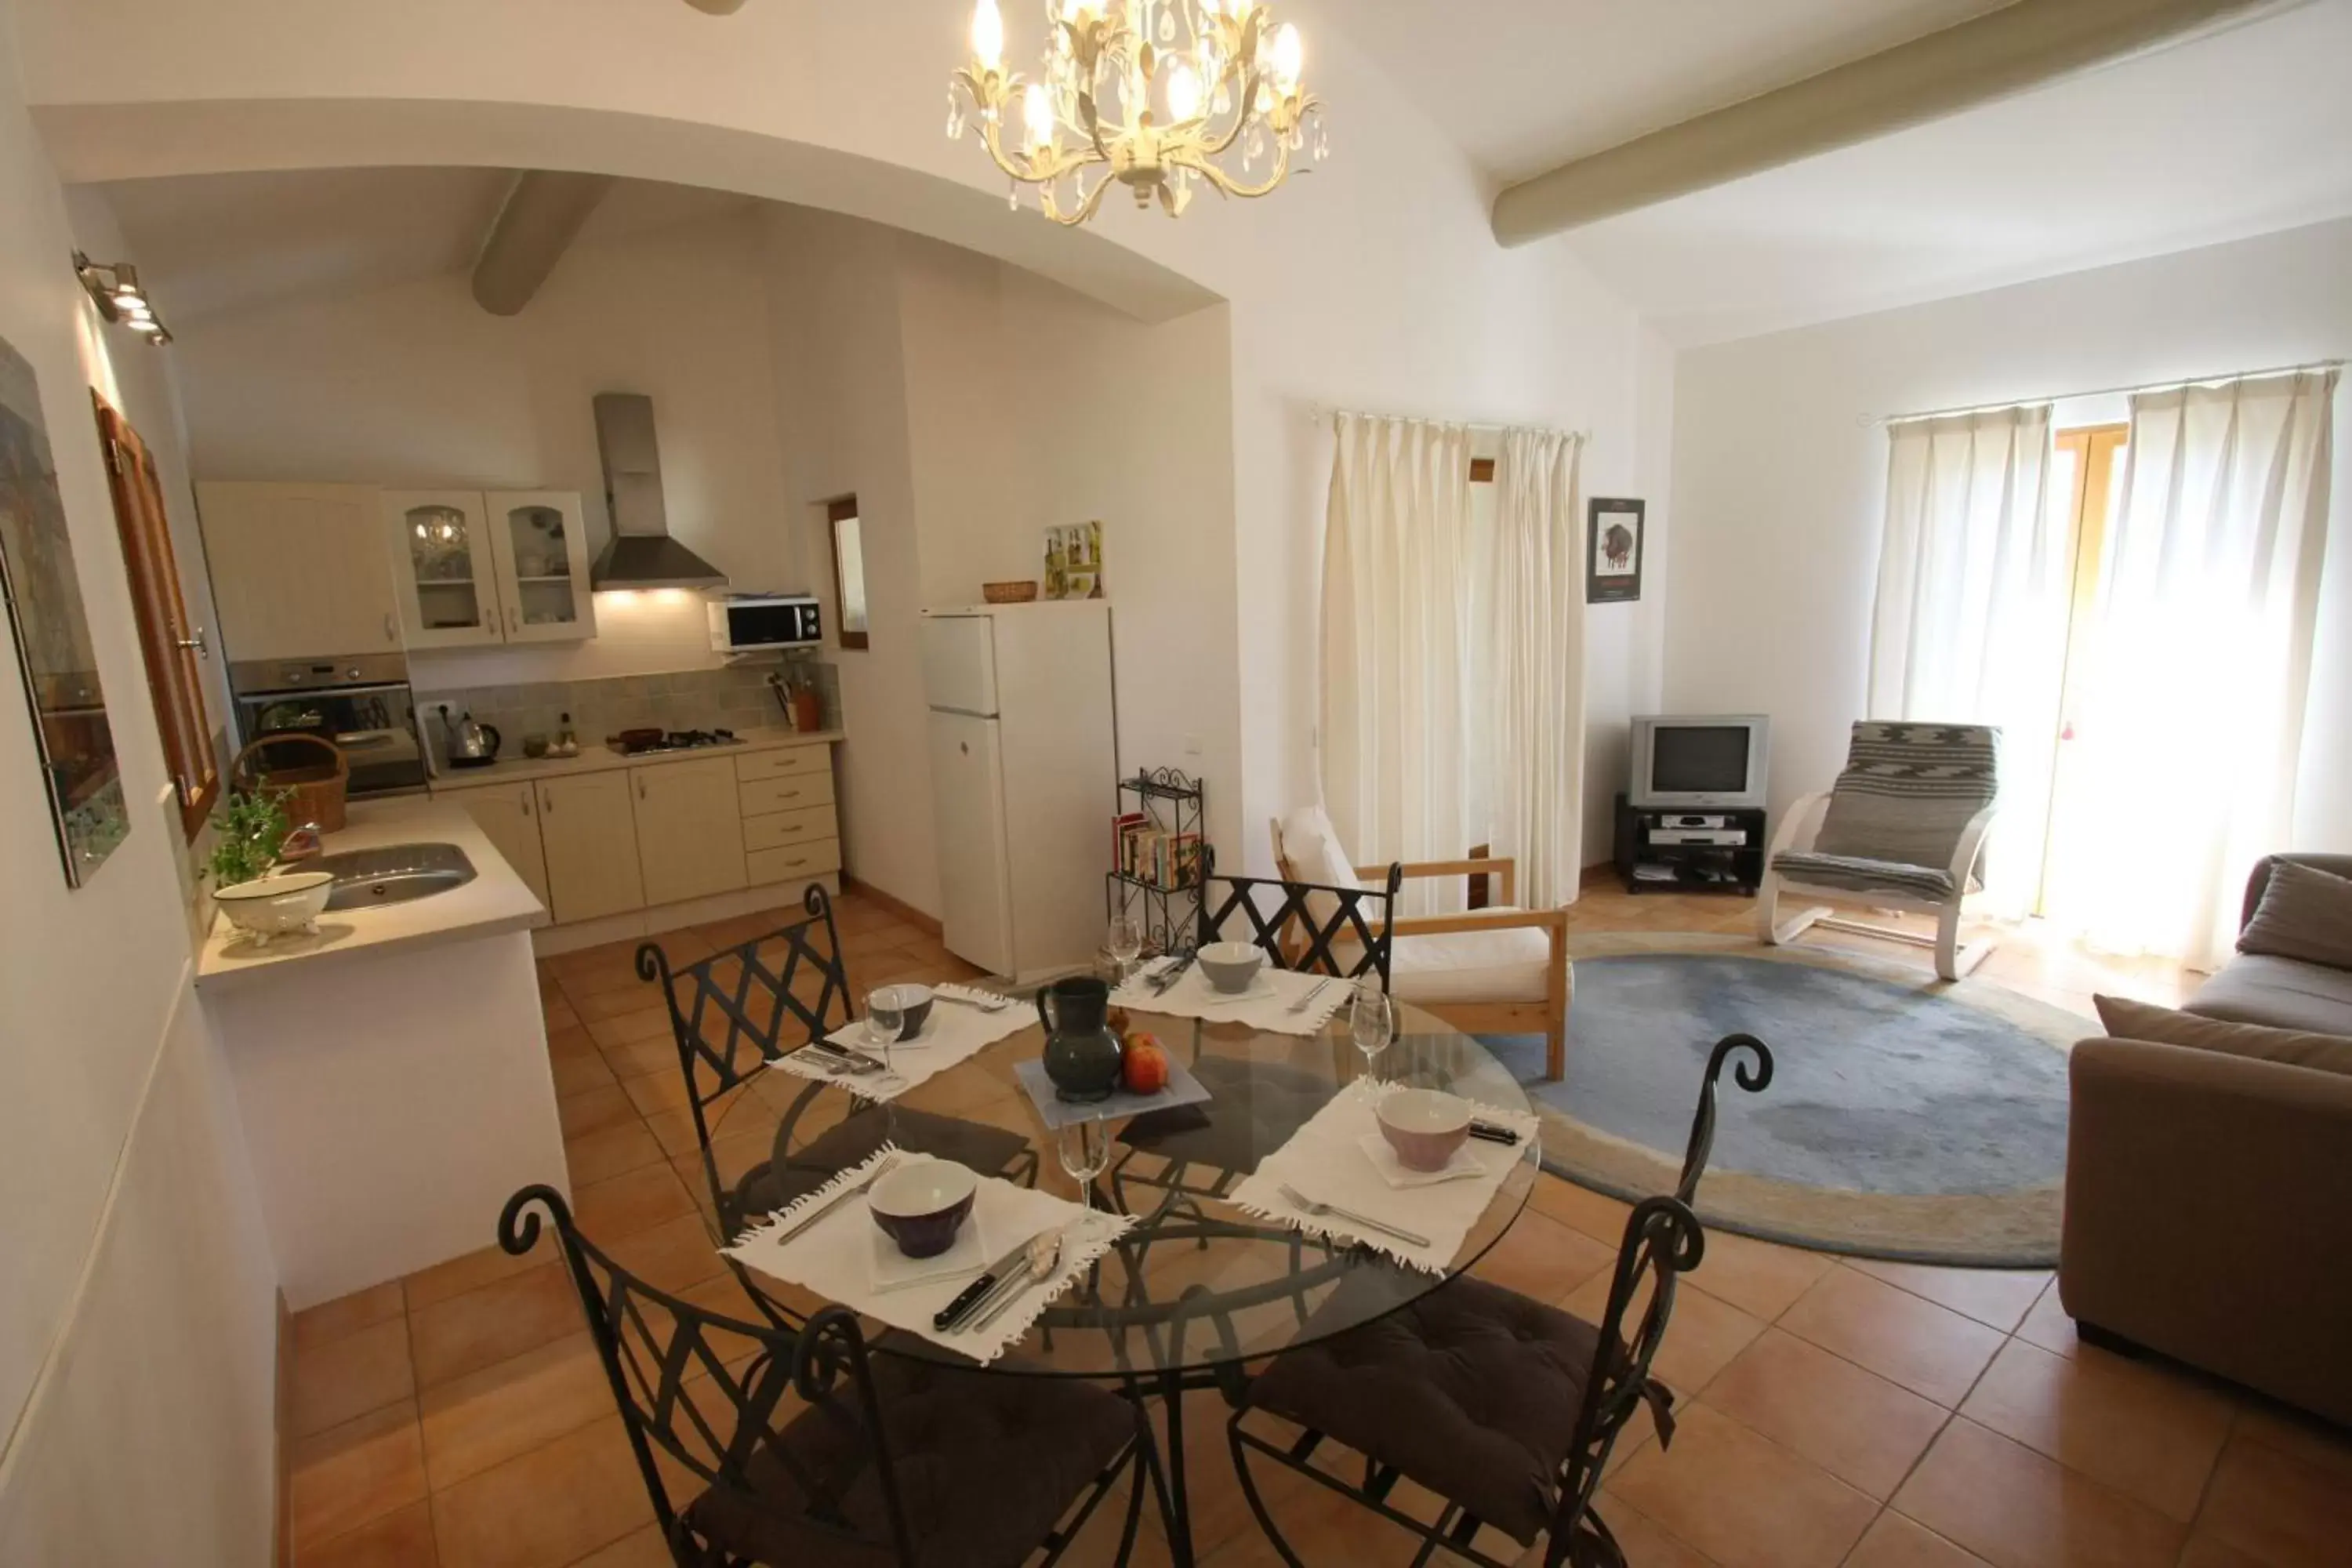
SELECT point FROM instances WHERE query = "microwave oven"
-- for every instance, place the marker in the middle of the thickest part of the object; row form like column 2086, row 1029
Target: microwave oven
column 753, row 623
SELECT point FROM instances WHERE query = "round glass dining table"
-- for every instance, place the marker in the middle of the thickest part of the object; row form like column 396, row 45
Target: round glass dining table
column 1198, row 1289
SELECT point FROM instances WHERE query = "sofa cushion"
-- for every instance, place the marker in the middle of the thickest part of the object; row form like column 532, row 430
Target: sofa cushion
column 2128, row 1020
column 2255, row 988
column 2303, row 913
column 1512, row 965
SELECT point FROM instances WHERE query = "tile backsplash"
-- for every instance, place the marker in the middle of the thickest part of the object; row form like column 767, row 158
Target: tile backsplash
column 736, row 698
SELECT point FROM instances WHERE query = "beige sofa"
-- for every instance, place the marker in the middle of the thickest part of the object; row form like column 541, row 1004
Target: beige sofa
column 2209, row 1193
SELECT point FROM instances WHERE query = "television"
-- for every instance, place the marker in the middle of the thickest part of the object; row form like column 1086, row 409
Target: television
column 1696, row 763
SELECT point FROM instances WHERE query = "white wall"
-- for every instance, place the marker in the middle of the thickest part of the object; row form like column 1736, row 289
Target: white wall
column 1780, row 487
column 415, row 385
column 136, row 1292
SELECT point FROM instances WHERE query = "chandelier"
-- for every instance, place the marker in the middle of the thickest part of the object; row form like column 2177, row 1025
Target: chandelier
column 1157, row 94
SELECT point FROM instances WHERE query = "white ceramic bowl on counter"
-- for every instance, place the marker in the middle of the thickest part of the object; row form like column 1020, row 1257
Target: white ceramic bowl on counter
column 276, row 906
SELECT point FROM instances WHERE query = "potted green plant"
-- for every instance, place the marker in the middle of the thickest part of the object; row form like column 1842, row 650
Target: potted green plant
column 246, row 834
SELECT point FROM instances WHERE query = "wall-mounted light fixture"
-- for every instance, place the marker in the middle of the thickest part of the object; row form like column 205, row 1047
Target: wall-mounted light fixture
column 115, row 286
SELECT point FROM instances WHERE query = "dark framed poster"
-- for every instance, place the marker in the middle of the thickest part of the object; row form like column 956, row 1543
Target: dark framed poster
column 1614, row 536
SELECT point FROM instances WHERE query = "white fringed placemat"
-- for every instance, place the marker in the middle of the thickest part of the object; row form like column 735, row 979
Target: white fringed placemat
column 1266, row 1004
column 953, row 1034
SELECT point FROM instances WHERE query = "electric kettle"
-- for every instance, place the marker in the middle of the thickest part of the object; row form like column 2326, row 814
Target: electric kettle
column 471, row 745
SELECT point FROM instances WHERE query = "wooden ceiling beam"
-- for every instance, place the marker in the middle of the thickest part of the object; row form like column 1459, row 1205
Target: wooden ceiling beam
column 540, row 217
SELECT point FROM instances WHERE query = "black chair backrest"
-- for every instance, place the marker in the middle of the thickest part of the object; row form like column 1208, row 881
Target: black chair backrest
column 1752, row 1076
column 1349, row 937
column 739, row 1009
column 684, row 1386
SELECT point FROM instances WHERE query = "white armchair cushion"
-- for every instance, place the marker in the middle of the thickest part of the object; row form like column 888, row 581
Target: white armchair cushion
column 1315, row 850
column 1513, row 964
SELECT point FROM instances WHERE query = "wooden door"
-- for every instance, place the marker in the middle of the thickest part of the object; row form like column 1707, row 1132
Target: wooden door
column 588, row 833
column 508, row 815
column 690, row 830
column 170, row 643
column 297, row 570
column 540, row 544
column 447, row 572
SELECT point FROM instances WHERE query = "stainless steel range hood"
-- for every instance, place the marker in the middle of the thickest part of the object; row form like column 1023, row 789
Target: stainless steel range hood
column 642, row 554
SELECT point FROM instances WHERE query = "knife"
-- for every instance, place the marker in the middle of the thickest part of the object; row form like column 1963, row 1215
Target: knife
column 1159, row 987
column 855, row 1063
column 970, row 1295
column 1493, row 1133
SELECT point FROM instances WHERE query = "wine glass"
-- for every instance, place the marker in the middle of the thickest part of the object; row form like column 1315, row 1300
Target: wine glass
column 1084, row 1150
column 1371, row 1020
column 1124, row 941
column 884, row 1014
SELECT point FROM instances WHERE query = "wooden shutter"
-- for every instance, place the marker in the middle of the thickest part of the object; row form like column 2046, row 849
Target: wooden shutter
column 165, row 637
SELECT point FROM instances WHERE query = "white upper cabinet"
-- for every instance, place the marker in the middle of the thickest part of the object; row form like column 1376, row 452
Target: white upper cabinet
column 449, row 579
column 541, row 546
column 297, row 570
column 505, row 566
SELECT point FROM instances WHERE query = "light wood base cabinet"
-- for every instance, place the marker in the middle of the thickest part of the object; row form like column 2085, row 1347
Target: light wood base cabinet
column 587, row 828
column 508, row 815
column 690, row 830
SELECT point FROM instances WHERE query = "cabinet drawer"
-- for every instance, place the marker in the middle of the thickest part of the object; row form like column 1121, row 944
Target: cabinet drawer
column 794, row 792
column 795, row 861
column 783, row 762
column 778, row 828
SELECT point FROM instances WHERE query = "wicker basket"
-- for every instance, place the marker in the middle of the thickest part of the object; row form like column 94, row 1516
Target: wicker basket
column 1009, row 592
column 319, row 788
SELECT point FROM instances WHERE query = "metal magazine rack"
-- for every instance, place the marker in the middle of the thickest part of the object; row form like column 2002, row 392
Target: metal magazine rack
column 1157, row 837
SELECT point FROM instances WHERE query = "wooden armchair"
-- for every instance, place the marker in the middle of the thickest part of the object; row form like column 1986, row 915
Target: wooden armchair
column 1498, row 971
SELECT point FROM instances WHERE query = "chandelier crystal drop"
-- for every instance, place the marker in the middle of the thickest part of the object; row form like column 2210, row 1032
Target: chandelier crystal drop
column 1160, row 93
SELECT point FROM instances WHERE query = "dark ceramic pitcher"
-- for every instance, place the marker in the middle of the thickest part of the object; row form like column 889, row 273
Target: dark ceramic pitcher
column 1082, row 1054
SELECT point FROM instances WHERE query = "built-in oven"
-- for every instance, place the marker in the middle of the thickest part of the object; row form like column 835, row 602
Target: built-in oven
column 360, row 702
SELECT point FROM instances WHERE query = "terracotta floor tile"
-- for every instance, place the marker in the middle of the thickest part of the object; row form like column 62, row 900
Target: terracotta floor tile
column 632, row 1027
column 351, row 1375
column 1855, row 1425
column 472, row 1272
column 639, row 1548
column 2146, row 1433
column 1702, row 1337
column 570, row 1041
column 510, row 1407
column 1761, row 1278
column 1598, row 1216
column 401, row 1538
column 655, row 1092
column 579, row 1072
column 481, row 1327
column 1927, row 1349
column 1895, row 1541
column 1543, row 1259
column 2289, row 1510
column 670, row 1255
column 346, row 1314
column 658, row 1055
column 594, row 1111
column 1646, row 1543
column 2211, row 1552
column 547, row 1507
column 674, row 1131
column 1743, row 1501
column 557, row 1012
column 2047, row 1324
column 627, row 1204
column 2291, row 1432
column 597, row 1155
column 2015, row 1508
column 348, row 1475
column 1998, row 1298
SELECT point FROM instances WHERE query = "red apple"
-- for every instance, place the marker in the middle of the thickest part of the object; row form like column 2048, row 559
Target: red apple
column 1146, row 1065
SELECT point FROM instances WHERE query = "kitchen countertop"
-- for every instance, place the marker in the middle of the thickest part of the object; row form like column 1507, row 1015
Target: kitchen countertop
column 595, row 757
column 496, row 901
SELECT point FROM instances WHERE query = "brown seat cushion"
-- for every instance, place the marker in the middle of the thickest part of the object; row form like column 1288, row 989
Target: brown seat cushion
column 986, row 1463
column 2281, row 993
column 2128, row 1020
column 2304, row 913
column 1471, row 1392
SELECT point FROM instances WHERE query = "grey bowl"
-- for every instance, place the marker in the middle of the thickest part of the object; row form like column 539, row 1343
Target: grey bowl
column 1230, row 965
column 914, row 1005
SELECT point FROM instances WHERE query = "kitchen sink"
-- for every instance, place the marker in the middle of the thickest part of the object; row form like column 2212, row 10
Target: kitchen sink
column 394, row 874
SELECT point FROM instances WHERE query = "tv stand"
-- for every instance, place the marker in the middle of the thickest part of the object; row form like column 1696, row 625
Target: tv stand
column 1650, row 860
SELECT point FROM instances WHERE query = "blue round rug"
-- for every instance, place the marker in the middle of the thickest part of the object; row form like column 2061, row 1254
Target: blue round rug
column 1908, row 1117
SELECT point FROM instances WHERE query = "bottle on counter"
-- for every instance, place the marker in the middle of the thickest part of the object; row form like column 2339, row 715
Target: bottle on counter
column 567, row 743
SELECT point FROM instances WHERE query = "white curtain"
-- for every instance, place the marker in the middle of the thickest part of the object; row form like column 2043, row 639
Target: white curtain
column 1971, row 624
column 1396, row 744
column 2191, row 717
column 1535, row 592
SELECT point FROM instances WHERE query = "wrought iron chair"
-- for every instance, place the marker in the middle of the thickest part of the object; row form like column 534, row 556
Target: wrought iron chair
column 736, row 1011
column 1314, row 928
column 1505, row 1407
column 801, row 1451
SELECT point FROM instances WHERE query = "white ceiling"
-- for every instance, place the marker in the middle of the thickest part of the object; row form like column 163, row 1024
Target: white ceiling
column 2241, row 133
column 217, row 244
column 1523, row 85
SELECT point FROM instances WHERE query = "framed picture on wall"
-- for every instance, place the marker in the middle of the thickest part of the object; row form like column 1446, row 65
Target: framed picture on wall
column 1614, row 535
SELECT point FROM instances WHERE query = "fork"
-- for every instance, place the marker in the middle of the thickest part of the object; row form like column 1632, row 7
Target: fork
column 997, row 1005
column 890, row 1163
column 1305, row 1204
column 1307, row 1001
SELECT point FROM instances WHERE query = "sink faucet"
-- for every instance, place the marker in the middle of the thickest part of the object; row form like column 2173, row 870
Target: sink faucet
column 303, row 844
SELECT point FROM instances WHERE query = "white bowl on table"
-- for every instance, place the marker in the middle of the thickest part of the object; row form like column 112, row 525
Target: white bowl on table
column 1231, row 967
column 276, row 906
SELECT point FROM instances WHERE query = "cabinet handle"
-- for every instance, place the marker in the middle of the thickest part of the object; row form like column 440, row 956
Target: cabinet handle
column 194, row 640
column 390, row 635
column 526, row 803
column 546, row 804
column 641, row 787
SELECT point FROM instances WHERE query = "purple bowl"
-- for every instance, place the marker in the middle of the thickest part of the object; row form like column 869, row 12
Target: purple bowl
column 922, row 1205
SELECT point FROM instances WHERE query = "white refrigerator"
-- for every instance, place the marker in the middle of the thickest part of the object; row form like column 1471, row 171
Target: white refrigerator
column 1024, row 761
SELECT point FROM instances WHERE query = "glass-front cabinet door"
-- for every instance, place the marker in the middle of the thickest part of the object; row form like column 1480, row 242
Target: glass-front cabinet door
column 542, row 552
column 448, row 580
